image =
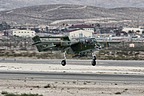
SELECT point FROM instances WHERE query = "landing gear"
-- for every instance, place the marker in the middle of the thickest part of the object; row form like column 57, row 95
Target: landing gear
column 93, row 60
column 63, row 62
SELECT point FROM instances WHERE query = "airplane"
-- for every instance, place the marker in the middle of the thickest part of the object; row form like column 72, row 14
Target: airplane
column 80, row 47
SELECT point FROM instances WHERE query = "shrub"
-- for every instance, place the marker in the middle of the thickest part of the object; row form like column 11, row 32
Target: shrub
column 11, row 94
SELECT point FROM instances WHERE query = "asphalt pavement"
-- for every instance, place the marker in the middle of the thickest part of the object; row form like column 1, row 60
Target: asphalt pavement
column 32, row 75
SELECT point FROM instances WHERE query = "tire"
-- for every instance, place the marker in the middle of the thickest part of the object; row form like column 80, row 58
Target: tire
column 63, row 62
column 93, row 62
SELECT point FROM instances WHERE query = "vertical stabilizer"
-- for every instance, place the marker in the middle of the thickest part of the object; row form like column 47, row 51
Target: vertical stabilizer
column 37, row 43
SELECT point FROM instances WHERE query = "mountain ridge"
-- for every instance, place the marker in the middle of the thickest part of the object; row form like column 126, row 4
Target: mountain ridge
column 12, row 4
column 47, row 14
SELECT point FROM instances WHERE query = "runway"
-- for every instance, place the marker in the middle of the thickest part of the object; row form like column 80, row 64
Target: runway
column 81, row 70
column 42, row 76
column 127, row 63
column 78, row 77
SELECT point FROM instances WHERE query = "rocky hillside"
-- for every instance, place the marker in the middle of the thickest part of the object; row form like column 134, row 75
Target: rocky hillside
column 12, row 4
column 62, row 13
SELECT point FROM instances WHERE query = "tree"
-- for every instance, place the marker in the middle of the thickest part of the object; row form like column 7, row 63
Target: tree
column 98, row 25
column 4, row 26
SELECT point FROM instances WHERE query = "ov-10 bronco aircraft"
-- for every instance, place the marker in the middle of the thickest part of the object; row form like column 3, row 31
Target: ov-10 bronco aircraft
column 63, row 43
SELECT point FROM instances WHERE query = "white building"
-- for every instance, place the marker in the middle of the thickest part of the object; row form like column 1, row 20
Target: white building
column 23, row 33
column 80, row 34
column 83, row 27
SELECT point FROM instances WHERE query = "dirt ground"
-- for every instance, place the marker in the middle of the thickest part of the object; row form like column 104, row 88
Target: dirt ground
column 71, row 88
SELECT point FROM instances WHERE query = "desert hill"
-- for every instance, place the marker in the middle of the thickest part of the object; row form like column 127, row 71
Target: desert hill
column 59, row 13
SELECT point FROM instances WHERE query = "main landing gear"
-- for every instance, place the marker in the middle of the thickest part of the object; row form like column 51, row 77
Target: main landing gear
column 63, row 62
column 93, row 60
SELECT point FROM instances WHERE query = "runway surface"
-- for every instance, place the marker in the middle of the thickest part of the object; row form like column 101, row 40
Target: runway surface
column 129, row 78
column 71, row 76
column 78, row 78
column 130, row 63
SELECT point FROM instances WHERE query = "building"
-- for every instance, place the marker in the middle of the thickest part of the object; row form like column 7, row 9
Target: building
column 83, row 27
column 23, row 33
column 80, row 34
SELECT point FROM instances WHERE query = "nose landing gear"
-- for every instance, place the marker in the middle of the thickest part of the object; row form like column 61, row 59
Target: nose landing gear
column 93, row 60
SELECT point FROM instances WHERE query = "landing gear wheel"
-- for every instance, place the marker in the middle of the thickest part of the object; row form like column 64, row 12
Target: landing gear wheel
column 63, row 62
column 93, row 62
